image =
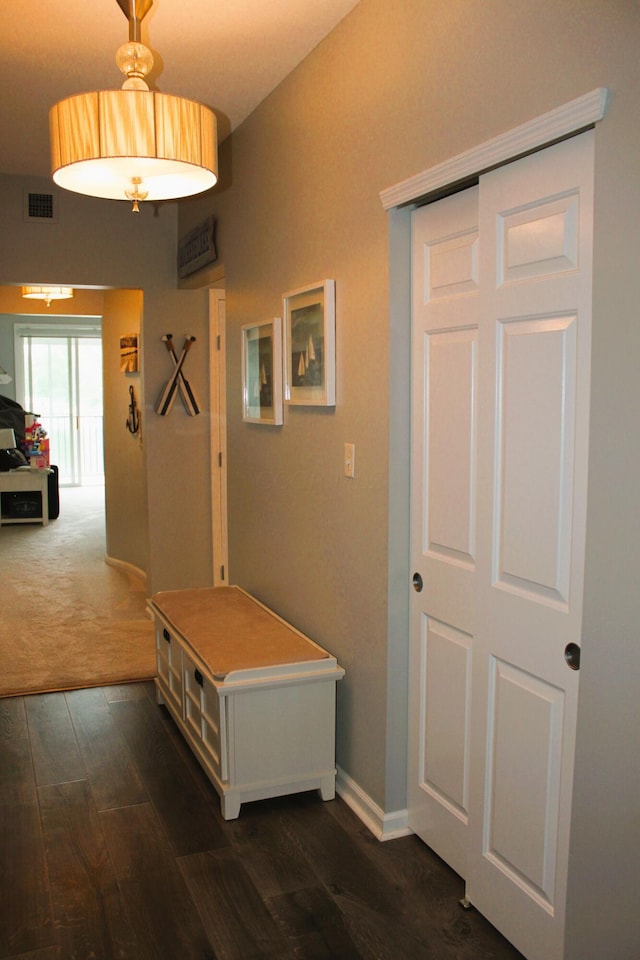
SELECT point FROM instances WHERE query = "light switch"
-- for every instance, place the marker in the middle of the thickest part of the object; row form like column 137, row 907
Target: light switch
column 350, row 460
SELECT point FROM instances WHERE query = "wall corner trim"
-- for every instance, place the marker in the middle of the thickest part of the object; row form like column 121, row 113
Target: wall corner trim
column 563, row 121
column 127, row 567
column 384, row 826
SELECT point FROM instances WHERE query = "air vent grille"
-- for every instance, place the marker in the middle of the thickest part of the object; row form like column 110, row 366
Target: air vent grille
column 40, row 207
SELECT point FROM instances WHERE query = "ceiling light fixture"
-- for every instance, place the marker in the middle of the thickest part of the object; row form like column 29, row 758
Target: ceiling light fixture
column 47, row 293
column 134, row 143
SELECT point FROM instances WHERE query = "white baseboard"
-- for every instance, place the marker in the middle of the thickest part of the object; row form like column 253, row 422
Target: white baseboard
column 127, row 567
column 384, row 826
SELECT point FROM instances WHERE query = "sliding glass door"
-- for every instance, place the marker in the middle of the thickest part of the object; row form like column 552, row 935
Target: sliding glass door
column 62, row 384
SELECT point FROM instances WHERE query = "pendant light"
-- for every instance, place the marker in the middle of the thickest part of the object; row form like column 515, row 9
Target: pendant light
column 133, row 144
column 47, row 293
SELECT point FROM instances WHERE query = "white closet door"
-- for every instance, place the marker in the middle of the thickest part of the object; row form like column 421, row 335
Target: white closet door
column 445, row 359
column 501, row 399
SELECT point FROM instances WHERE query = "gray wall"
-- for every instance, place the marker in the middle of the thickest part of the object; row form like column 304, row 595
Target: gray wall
column 7, row 355
column 394, row 90
column 97, row 243
column 127, row 527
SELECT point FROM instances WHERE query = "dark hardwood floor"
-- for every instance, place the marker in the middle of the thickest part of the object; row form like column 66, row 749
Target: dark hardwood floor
column 112, row 847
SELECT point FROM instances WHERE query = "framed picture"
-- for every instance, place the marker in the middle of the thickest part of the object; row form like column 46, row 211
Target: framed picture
column 310, row 345
column 262, row 372
column 129, row 354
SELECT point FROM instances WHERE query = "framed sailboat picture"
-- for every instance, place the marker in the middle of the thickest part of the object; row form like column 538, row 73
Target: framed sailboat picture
column 310, row 345
column 262, row 372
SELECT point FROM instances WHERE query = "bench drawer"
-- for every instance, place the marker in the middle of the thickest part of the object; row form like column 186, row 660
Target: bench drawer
column 169, row 666
column 205, row 717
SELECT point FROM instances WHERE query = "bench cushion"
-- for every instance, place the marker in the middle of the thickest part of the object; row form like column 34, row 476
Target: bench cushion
column 232, row 631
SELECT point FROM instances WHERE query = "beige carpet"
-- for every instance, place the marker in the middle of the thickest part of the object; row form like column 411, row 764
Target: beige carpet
column 67, row 618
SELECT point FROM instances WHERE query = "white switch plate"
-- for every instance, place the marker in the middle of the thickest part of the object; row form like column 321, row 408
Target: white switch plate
column 350, row 460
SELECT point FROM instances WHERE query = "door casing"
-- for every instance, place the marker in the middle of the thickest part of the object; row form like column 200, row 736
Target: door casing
column 399, row 200
column 218, row 387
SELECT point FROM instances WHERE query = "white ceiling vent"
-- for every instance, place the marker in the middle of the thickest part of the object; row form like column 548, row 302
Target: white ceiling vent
column 40, row 207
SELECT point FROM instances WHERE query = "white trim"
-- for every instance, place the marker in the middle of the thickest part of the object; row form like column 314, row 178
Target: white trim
column 129, row 568
column 384, row 826
column 555, row 125
column 218, row 435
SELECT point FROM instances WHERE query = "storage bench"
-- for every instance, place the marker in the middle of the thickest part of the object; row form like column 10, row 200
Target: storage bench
column 253, row 697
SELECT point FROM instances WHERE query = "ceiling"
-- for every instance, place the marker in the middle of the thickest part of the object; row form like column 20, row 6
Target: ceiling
column 228, row 55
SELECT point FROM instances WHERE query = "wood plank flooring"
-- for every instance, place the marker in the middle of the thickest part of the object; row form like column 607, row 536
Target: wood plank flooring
column 112, row 847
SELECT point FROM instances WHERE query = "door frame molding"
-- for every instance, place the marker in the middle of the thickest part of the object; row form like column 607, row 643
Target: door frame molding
column 399, row 200
column 558, row 124
column 218, row 403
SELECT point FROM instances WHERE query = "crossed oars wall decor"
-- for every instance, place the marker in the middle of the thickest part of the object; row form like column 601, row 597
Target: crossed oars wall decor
column 177, row 382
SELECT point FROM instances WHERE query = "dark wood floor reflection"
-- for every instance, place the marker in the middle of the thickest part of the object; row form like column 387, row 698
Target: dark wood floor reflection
column 112, row 847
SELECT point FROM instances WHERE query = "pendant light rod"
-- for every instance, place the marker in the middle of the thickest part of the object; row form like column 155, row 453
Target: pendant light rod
column 135, row 11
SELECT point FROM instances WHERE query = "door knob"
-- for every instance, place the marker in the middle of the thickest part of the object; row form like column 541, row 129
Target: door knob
column 417, row 582
column 572, row 655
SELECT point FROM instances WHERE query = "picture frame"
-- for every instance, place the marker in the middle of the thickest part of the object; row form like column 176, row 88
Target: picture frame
column 262, row 372
column 129, row 357
column 310, row 345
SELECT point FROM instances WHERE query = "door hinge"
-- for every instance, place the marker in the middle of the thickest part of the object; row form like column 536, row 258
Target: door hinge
column 222, row 572
column 218, row 342
column 219, row 459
